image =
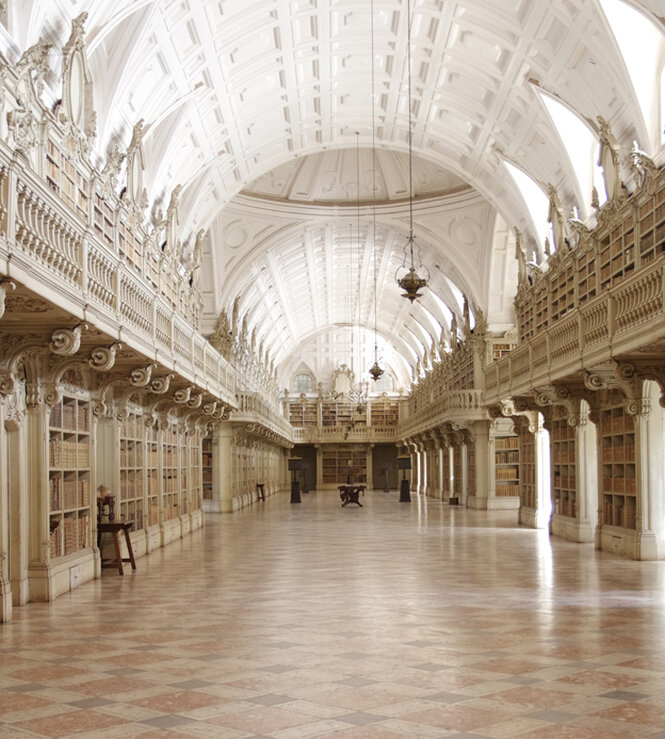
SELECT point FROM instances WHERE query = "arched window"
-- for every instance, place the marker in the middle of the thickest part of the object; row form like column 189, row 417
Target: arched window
column 303, row 383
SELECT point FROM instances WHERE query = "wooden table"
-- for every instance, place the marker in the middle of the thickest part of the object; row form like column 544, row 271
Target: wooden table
column 115, row 528
column 350, row 493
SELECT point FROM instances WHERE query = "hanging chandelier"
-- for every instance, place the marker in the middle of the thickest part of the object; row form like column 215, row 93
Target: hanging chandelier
column 375, row 370
column 408, row 277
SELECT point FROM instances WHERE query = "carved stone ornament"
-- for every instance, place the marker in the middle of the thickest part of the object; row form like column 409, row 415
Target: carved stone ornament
column 23, row 129
column 182, row 395
column 644, row 169
column 221, row 337
column 160, row 385
column 75, row 111
column 195, row 402
column 66, row 342
column 609, row 159
column 140, row 377
column 7, row 383
column 4, row 286
column 555, row 217
column 109, row 174
column 103, row 358
column 134, row 186
column 31, row 69
column 210, row 408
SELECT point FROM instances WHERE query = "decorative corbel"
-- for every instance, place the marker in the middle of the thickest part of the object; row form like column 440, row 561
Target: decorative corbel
column 210, row 408
column 65, row 342
column 195, row 402
column 183, row 395
column 102, row 358
column 4, row 286
column 140, row 377
column 160, row 385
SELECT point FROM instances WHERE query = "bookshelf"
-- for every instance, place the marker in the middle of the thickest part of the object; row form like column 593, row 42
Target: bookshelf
column 132, row 470
column 471, row 469
column 458, row 478
column 651, row 223
column 303, row 414
column 564, row 475
column 206, row 467
column 527, row 468
column 65, row 180
column 170, row 488
column 185, row 479
column 384, row 413
column 69, row 476
column 617, row 460
column 195, row 466
column 617, row 253
column 334, row 463
column 152, row 474
column 507, row 462
column 562, row 298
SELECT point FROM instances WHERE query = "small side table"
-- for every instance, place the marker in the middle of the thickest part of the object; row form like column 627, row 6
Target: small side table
column 115, row 528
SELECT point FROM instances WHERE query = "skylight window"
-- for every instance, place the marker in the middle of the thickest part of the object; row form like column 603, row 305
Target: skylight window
column 642, row 46
column 582, row 145
column 536, row 202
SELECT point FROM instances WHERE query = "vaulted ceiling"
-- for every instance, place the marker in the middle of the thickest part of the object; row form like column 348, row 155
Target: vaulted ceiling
column 262, row 110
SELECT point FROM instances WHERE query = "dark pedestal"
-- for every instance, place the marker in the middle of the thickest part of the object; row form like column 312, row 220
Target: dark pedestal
column 295, row 492
column 404, row 491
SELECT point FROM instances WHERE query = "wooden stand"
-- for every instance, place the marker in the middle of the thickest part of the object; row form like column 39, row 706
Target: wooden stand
column 114, row 528
column 260, row 493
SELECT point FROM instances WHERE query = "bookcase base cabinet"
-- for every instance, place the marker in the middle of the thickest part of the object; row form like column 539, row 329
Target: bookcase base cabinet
column 197, row 519
column 171, row 531
column 56, row 577
column 572, row 529
column 153, row 537
column 503, row 503
column 627, row 543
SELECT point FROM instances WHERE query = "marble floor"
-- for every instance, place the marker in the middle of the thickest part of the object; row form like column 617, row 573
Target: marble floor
column 390, row 620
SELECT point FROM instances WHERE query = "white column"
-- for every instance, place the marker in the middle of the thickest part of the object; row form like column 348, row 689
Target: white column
column 650, row 471
column 222, row 468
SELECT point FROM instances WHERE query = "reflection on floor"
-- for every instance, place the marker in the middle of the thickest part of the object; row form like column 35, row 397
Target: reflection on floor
column 312, row 620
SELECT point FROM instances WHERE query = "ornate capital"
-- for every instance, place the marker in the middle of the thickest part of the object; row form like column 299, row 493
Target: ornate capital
column 4, row 286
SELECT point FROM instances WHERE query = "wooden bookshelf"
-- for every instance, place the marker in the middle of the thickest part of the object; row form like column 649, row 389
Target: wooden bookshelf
column 562, row 298
column 384, row 413
column 195, row 468
column 66, row 181
column 527, row 469
column 303, row 414
column 617, row 462
column 152, row 475
column 564, row 471
column 206, row 467
column 651, row 223
column 336, row 460
column 69, row 476
column 170, row 479
column 132, row 464
column 507, row 464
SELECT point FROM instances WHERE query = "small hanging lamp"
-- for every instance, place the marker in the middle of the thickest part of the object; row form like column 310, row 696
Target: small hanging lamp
column 375, row 370
column 407, row 277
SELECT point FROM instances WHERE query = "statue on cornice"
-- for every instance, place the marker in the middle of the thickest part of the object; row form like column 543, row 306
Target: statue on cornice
column 609, row 159
column 221, row 338
column 520, row 254
column 32, row 62
column 556, row 218
column 109, row 174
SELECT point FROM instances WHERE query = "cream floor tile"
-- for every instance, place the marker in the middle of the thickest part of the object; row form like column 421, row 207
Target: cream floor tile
column 394, row 620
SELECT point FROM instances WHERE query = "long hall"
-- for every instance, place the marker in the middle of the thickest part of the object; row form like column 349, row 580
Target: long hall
column 388, row 620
